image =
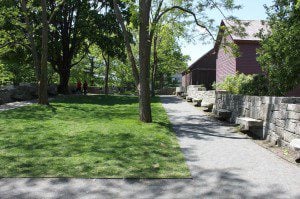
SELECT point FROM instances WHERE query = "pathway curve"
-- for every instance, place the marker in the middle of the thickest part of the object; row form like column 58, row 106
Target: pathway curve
column 223, row 164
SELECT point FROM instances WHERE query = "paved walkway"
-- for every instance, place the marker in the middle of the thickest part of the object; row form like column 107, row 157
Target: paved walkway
column 223, row 164
column 13, row 105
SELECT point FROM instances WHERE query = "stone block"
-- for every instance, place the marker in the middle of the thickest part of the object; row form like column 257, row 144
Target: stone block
column 266, row 99
column 298, row 129
column 280, row 114
column 271, row 119
column 293, row 115
column 280, row 123
column 245, row 112
column 295, row 144
column 291, row 125
column 288, row 136
column 293, row 107
column 271, row 126
column 223, row 114
column 247, row 122
column 280, row 107
column 279, row 131
column 5, row 96
column 22, row 93
column 291, row 100
column 273, row 138
column 266, row 112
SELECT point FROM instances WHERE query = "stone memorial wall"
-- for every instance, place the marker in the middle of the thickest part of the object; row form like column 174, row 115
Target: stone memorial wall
column 281, row 115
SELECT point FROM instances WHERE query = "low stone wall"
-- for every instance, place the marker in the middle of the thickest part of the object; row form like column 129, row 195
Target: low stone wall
column 5, row 95
column 197, row 91
column 281, row 115
column 23, row 92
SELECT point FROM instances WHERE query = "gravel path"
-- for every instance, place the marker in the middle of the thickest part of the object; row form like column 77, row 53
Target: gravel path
column 223, row 164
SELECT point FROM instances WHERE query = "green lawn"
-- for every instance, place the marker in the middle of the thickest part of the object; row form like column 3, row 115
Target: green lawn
column 89, row 137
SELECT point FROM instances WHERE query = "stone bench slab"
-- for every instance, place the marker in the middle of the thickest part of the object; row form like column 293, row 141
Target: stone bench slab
column 197, row 100
column 208, row 106
column 295, row 143
column 247, row 122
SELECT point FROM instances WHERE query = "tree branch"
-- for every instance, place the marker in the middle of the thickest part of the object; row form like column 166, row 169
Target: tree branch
column 78, row 61
column 55, row 11
column 15, row 43
column 187, row 11
column 155, row 19
column 127, row 42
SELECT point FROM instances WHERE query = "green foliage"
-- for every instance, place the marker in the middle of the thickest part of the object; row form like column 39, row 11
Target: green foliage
column 75, row 26
column 170, row 58
column 18, row 73
column 257, row 86
column 245, row 84
column 214, row 86
column 5, row 76
column 89, row 137
column 280, row 52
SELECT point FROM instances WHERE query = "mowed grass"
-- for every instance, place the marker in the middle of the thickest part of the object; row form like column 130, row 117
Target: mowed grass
column 89, row 137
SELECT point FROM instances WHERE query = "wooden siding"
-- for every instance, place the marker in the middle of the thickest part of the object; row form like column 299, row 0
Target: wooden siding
column 225, row 63
column 247, row 63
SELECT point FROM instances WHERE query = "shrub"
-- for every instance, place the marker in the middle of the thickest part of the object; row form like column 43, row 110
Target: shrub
column 245, row 84
column 257, row 86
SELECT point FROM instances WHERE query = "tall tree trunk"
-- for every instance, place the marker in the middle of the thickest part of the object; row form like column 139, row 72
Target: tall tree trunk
column 155, row 63
column 43, row 83
column 144, row 59
column 107, row 66
column 64, row 76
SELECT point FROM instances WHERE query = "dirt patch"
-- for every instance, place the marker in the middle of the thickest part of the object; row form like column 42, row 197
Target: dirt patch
column 283, row 152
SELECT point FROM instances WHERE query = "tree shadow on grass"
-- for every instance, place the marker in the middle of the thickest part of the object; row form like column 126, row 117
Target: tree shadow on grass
column 104, row 100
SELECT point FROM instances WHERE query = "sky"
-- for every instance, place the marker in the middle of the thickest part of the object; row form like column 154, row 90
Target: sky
column 251, row 10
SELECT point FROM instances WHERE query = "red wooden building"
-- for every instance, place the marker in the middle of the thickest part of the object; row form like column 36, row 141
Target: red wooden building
column 247, row 43
column 201, row 72
column 220, row 61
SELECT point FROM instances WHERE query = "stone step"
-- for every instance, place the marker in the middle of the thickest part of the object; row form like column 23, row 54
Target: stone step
column 246, row 123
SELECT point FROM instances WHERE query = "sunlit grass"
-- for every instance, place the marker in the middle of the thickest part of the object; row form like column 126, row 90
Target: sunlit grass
column 90, row 137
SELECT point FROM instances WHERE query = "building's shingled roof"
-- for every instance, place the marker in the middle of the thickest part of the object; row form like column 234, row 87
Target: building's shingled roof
column 252, row 28
column 250, row 33
column 198, row 60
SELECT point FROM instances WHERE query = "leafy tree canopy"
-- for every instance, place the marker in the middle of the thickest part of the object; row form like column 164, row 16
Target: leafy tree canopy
column 280, row 52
